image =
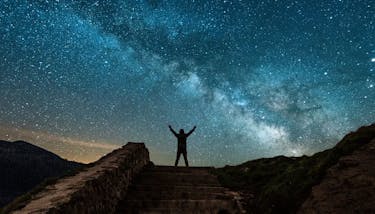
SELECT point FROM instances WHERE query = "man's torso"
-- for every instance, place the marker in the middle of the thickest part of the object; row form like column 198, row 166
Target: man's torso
column 181, row 142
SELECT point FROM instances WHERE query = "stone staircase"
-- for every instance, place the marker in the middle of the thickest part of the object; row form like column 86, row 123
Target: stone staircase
column 165, row 189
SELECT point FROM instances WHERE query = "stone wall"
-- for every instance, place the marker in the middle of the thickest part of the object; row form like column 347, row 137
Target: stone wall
column 95, row 189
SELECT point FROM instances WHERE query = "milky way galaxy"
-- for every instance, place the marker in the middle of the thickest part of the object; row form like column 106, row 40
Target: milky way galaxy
column 257, row 78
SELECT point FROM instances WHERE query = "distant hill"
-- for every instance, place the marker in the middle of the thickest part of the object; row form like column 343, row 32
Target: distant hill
column 23, row 166
column 282, row 184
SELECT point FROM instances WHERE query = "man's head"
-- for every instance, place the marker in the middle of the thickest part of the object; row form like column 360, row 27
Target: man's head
column 182, row 131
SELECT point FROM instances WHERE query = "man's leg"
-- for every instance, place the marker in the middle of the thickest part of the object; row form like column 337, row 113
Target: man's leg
column 185, row 158
column 177, row 158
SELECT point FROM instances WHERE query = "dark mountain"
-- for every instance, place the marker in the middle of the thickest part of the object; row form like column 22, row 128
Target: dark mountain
column 23, row 166
column 282, row 184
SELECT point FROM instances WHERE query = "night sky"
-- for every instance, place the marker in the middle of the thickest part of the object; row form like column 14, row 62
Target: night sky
column 257, row 78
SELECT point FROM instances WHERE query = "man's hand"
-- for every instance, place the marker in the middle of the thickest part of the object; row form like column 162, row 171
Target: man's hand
column 195, row 127
column 170, row 126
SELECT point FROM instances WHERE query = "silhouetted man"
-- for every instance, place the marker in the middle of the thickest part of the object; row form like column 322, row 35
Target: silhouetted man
column 181, row 138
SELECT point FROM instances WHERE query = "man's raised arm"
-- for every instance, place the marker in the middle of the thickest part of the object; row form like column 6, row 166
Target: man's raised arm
column 191, row 131
column 170, row 128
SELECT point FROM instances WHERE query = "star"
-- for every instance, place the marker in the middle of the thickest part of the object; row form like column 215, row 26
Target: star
column 83, row 78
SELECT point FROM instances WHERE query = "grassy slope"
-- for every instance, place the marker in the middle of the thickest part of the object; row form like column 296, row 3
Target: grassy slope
column 22, row 200
column 281, row 184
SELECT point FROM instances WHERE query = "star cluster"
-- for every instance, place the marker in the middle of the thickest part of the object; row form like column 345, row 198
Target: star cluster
column 258, row 78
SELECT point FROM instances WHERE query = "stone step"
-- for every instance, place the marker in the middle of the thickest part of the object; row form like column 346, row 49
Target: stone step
column 174, row 195
column 173, row 211
column 178, row 173
column 176, row 178
column 166, row 189
column 178, row 169
column 197, row 205
column 180, row 182
column 152, row 211
column 181, row 188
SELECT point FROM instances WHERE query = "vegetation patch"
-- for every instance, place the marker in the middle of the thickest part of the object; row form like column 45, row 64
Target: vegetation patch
column 282, row 184
column 24, row 199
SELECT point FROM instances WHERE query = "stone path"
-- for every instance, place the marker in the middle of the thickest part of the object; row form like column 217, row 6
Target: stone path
column 164, row 189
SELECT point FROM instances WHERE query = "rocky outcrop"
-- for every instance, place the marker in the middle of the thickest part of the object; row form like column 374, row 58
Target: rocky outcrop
column 96, row 189
column 348, row 187
column 282, row 184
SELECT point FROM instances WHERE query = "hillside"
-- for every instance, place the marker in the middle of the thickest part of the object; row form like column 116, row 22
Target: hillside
column 337, row 180
column 271, row 185
column 23, row 166
column 347, row 187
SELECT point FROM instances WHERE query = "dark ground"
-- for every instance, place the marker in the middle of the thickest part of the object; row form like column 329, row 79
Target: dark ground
column 24, row 166
column 271, row 185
